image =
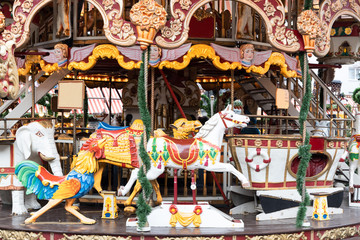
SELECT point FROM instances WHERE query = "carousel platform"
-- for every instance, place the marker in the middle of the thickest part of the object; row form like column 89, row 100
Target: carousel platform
column 57, row 224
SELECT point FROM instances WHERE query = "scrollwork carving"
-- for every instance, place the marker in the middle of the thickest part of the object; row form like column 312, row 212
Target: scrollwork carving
column 292, row 236
column 97, row 237
column 7, row 234
column 191, row 238
column 338, row 233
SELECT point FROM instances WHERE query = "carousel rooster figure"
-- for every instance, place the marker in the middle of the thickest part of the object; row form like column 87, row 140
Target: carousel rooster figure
column 76, row 184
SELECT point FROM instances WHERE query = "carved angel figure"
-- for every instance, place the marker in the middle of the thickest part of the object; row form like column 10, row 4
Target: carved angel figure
column 293, row 63
column 245, row 54
column 60, row 54
column 157, row 54
column 9, row 77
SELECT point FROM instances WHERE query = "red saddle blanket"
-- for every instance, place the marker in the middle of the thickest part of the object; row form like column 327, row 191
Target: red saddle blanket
column 183, row 152
column 120, row 146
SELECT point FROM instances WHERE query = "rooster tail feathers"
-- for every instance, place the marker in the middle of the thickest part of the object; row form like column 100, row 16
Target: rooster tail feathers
column 27, row 173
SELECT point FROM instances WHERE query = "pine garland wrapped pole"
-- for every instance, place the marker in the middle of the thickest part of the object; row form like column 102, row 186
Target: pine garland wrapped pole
column 143, row 209
column 304, row 150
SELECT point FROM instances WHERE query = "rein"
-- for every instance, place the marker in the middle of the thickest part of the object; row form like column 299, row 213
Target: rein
column 223, row 117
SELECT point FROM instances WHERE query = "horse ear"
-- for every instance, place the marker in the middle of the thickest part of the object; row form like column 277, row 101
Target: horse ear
column 228, row 107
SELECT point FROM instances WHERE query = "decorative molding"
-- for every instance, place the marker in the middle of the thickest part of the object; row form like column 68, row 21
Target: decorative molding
column 196, row 51
column 91, row 237
column 7, row 234
column 206, row 51
column 191, row 238
column 330, row 10
column 201, row 14
column 292, row 236
column 338, row 233
column 175, row 32
column 104, row 51
column 117, row 30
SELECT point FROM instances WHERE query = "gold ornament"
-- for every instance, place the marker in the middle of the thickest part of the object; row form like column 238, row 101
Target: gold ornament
column 2, row 22
column 149, row 17
column 309, row 27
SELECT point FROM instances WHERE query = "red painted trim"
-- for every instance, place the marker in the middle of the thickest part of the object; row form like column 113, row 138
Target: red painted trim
column 317, row 144
column 7, row 170
column 290, row 184
column 258, row 151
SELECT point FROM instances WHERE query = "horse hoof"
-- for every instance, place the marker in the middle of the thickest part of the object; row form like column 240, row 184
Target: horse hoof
column 120, row 191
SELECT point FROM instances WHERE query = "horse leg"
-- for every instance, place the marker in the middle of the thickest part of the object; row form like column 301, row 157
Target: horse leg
column 133, row 177
column 353, row 165
column 156, row 188
column 137, row 189
column 155, row 172
column 97, row 179
column 226, row 167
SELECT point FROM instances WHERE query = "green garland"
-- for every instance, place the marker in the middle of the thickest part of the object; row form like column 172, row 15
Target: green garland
column 356, row 95
column 304, row 150
column 143, row 209
column 46, row 102
column 205, row 103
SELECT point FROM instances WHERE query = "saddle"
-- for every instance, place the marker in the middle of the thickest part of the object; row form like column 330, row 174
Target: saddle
column 183, row 152
column 120, row 146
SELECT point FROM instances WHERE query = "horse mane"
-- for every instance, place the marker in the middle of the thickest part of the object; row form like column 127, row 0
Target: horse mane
column 209, row 125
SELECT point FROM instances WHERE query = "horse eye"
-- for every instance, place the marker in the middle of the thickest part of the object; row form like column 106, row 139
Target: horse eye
column 39, row 134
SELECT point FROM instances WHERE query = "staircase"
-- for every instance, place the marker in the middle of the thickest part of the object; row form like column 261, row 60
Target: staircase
column 8, row 103
column 26, row 103
column 262, row 88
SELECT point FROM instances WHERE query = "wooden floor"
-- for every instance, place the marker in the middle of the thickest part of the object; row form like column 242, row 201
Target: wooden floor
column 56, row 224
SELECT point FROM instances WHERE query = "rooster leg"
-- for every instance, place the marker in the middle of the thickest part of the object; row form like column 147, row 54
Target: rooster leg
column 52, row 203
column 72, row 210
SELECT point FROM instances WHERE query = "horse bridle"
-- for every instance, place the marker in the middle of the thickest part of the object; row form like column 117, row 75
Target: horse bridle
column 223, row 117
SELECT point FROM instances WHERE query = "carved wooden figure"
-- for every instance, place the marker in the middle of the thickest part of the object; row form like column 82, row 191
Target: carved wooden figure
column 202, row 151
column 74, row 185
column 63, row 18
column 245, row 21
column 34, row 142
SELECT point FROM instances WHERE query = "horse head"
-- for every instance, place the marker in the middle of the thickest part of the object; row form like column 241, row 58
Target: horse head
column 322, row 129
column 232, row 119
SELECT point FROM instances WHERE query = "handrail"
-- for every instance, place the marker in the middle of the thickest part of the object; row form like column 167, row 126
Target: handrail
column 335, row 99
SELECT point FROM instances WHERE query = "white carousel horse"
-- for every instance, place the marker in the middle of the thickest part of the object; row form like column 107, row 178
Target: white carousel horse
column 353, row 152
column 322, row 129
column 202, row 151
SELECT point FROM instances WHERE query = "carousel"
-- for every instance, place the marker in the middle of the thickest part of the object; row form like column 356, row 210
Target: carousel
column 207, row 120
